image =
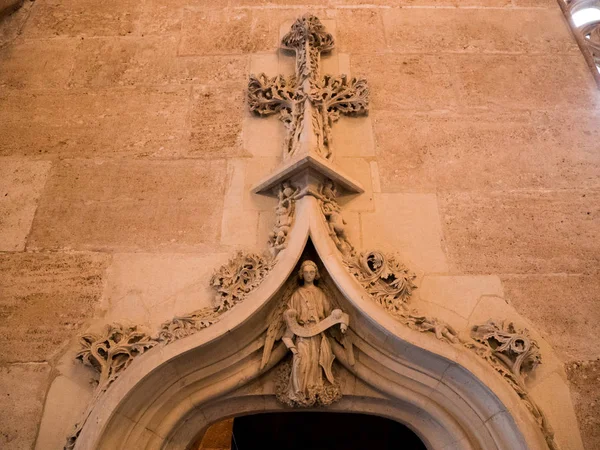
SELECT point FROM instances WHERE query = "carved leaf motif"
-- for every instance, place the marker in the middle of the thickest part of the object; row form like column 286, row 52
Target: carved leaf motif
column 268, row 96
column 385, row 278
column 308, row 28
column 234, row 280
column 111, row 352
column 181, row 326
column 514, row 349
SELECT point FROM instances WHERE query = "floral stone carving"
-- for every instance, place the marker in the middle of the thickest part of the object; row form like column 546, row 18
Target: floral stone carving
column 111, row 352
column 306, row 102
column 284, row 217
column 305, row 323
column 514, row 355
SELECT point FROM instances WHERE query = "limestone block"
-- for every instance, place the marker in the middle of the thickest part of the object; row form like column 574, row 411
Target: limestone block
column 139, row 289
column 459, row 293
column 547, row 300
column 40, row 64
column 46, row 298
column 216, row 119
column 394, row 79
column 426, row 3
column 131, row 121
column 255, row 170
column 149, row 60
column 239, row 228
column 65, row 403
column 263, row 136
column 358, row 169
column 354, row 25
column 553, row 397
column 584, row 379
column 22, row 391
column 486, row 150
column 408, row 224
column 478, row 30
column 525, row 81
column 223, row 31
column 21, row 185
column 353, row 136
column 131, row 205
column 161, row 17
column 83, row 18
column 522, row 231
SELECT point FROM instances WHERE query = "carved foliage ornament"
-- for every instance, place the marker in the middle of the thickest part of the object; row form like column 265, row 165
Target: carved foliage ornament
column 514, row 355
column 112, row 351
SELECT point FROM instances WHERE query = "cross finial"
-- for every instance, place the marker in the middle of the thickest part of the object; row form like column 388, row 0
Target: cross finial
column 307, row 103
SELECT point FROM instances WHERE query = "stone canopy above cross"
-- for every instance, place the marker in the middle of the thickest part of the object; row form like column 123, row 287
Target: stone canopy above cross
column 308, row 104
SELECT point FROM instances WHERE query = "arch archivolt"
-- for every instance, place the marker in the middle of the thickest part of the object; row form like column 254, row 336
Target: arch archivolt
column 450, row 397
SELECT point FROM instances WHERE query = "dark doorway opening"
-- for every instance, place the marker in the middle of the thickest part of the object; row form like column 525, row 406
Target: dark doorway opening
column 321, row 431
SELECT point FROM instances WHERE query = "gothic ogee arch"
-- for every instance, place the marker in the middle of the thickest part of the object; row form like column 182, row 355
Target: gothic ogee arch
column 371, row 351
column 449, row 396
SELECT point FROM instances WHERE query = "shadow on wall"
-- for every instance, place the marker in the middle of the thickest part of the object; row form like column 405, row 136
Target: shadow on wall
column 7, row 7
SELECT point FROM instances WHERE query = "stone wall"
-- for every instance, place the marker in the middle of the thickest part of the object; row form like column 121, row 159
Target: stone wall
column 127, row 154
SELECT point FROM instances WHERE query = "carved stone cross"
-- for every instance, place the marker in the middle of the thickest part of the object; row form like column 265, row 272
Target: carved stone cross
column 307, row 103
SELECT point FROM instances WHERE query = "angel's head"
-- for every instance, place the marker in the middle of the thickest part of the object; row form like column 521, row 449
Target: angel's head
column 308, row 272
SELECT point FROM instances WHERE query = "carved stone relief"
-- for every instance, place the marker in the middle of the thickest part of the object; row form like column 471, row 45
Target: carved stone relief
column 112, row 351
column 305, row 322
column 307, row 103
column 307, row 319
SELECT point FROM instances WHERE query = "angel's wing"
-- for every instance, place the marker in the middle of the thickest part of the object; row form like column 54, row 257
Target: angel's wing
column 276, row 326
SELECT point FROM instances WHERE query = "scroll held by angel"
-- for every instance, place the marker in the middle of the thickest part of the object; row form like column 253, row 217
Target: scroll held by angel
column 308, row 321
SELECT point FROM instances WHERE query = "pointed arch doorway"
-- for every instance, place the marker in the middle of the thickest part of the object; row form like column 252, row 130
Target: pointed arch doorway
column 309, row 431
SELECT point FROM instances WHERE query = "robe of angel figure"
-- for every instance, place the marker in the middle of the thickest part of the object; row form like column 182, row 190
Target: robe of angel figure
column 313, row 356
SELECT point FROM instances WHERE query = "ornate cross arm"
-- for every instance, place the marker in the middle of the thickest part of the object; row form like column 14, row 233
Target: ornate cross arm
column 340, row 95
column 268, row 96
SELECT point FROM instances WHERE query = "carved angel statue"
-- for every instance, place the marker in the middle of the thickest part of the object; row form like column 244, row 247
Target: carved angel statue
column 284, row 217
column 303, row 324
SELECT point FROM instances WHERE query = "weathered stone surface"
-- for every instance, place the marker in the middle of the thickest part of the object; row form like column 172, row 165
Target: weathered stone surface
column 427, row 3
column 394, row 79
column 149, row 61
column 477, row 30
column 131, row 205
column 159, row 17
column 207, row 31
column 483, row 150
column 548, row 301
column 132, row 121
column 82, row 18
column 584, row 377
column 522, row 231
column 21, row 184
column 553, row 397
column 8, row 6
column 459, row 294
column 44, row 301
column 359, row 30
column 525, row 81
column 414, row 232
column 216, row 121
column 37, row 64
column 12, row 23
column 139, row 288
column 22, row 392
